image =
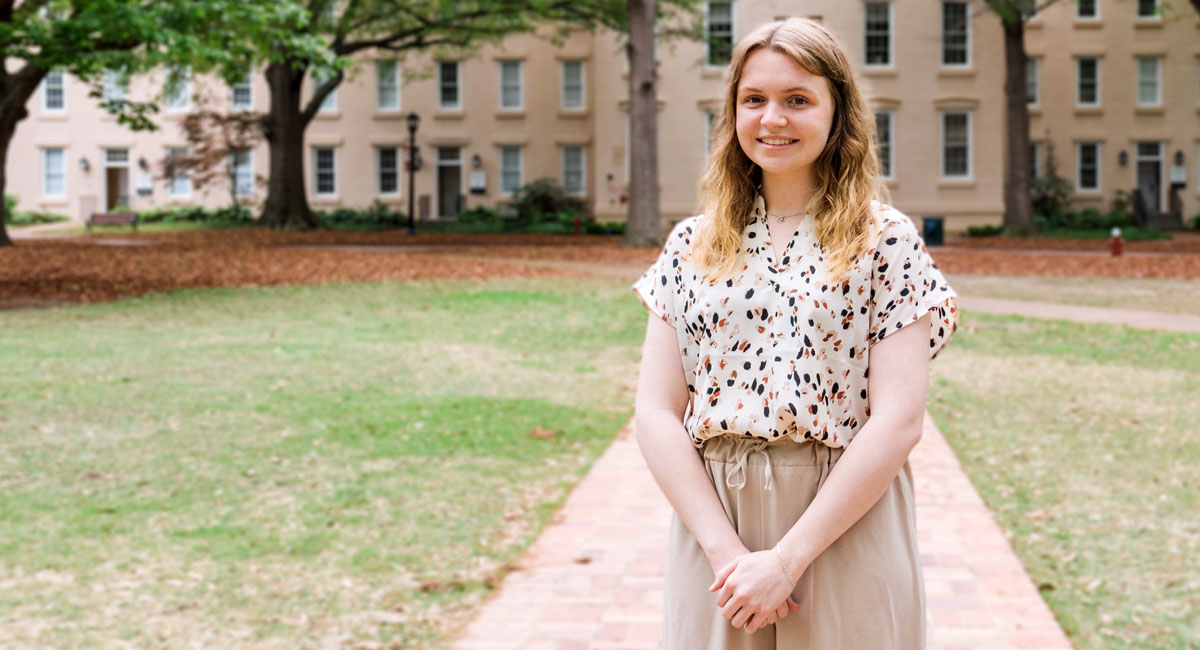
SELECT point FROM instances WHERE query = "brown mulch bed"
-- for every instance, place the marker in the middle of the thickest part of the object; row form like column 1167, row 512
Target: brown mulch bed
column 53, row 271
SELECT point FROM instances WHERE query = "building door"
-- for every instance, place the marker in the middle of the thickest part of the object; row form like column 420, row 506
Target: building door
column 449, row 182
column 116, row 179
column 1149, row 175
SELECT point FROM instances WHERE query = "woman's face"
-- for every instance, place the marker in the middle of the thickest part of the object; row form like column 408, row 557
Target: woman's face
column 784, row 114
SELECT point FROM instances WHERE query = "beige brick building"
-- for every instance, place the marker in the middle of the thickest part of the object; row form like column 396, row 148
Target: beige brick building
column 1115, row 89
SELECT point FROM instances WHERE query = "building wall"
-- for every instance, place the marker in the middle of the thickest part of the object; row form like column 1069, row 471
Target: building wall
column 915, row 87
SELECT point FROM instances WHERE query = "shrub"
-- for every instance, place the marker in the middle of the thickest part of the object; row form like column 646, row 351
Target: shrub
column 984, row 231
column 197, row 214
column 10, row 204
column 1196, row 221
column 17, row 218
column 378, row 215
column 543, row 201
column 480, row 216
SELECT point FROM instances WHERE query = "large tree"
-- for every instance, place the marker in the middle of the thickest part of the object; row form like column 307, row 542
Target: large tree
column 85, row 38
column 643, row 223
column 1018, row 174
column 352, row 27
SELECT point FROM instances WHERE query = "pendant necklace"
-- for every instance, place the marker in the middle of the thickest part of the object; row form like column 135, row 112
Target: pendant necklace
column 780, row 218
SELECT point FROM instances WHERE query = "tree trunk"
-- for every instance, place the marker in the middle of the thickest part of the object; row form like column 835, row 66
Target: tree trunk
column 644, row 224
column 6, row 134
column 1018, row 197
column 283, row 127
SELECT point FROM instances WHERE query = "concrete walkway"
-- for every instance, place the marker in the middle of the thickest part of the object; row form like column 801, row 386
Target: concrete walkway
column 1081, row 313
column 594, row 578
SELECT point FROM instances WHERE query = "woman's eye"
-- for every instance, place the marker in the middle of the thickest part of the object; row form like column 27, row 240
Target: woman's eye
column 753, row 100
column 799, row 100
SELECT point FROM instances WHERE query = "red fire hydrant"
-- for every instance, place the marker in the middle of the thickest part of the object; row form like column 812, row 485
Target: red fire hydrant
column 1116, row 242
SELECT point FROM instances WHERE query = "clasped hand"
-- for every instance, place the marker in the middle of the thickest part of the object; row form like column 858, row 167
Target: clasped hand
column 753, row 591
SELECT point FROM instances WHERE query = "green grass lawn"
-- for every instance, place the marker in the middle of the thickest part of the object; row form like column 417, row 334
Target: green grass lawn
column 351, row 465
column 294, row 467
column 1084, row 441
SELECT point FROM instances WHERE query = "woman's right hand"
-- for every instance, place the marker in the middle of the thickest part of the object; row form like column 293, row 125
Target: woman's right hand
column 720, row 557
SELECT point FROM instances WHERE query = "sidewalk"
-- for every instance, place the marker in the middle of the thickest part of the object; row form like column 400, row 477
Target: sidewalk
column 593, row 580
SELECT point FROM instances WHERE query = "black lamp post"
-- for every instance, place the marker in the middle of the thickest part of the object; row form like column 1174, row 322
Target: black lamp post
column 413, row 120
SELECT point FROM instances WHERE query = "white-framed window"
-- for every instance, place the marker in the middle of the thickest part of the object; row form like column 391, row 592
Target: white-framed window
column 241, row 94
column 1087, row 81
column 510, row 170
column 1149, row 81
column 956, row 34
column 877, row 34
column 510, row 85
column 325, row 171
column 449, row 77
column 573, row 170
column 1148, row 9
column 179, row 180
column 718, row 33
column 387, row 85
column 1087, row 9
column 1035, row 160
column 956, row 144
column 387, row 170
column 54, row 96
column 54, row 173
column 573, row 75
column 330, row 103
column 883, row 142
column 114, row 86
column 179, row 88
column 1033, row 80
column 241, row 171
column 1087, row 166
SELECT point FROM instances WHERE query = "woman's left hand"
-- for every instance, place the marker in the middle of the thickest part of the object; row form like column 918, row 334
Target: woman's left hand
column 751, row 588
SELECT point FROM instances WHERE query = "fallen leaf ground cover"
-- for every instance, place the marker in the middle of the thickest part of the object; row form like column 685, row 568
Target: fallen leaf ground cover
column 64, row 270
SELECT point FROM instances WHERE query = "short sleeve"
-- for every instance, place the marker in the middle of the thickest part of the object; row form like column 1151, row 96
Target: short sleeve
column 906, row 284
column 659, row 287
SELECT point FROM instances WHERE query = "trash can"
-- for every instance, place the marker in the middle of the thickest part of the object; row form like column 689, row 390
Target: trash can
column 932, row 230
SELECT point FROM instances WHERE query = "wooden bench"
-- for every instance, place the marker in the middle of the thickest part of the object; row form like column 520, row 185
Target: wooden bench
column 112, row 218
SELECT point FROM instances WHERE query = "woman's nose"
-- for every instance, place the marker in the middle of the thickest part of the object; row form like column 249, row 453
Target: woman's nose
column 774, row 115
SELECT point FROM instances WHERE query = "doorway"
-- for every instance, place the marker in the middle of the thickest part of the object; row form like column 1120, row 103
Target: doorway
column 116, row 179
column 1150, row 175
column 449, row 182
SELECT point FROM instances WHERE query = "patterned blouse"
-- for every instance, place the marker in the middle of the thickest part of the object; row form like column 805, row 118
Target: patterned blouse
column 774, row 351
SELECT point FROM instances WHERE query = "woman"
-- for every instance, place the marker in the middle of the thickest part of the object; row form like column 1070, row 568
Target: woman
column 795, row 316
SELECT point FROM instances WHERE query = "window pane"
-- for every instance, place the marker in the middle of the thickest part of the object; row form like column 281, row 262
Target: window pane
column 572, row 160
column 448, row 84
column 1147, row 71
column 878, row 33
column 720, row 32
column 510, row 169
column 510, row 84
column 388, row 170
column 1089, row 171
column 179, row 89
column 572, row 84
column 954, row 33
column 116, row 85
column 1035, row 160
column 242, row 171
column 1031, row 81
column 54, row 172
column 55, row 100
column 1088, row 70
column 387, row 86
column 325, row 171
column 956, row 142
column 1086, row 9
column 330, row 101
column 883, row 142
column 240, row 97
column 1147, row 8
column 179, row 182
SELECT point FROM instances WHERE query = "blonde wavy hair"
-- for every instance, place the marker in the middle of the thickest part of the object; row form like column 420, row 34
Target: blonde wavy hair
column 846, row 172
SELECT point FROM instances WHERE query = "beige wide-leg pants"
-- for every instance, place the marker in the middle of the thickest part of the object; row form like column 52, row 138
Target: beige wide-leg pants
column 865, row 592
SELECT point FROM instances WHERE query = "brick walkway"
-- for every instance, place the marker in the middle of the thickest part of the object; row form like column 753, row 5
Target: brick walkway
column 593, row 580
